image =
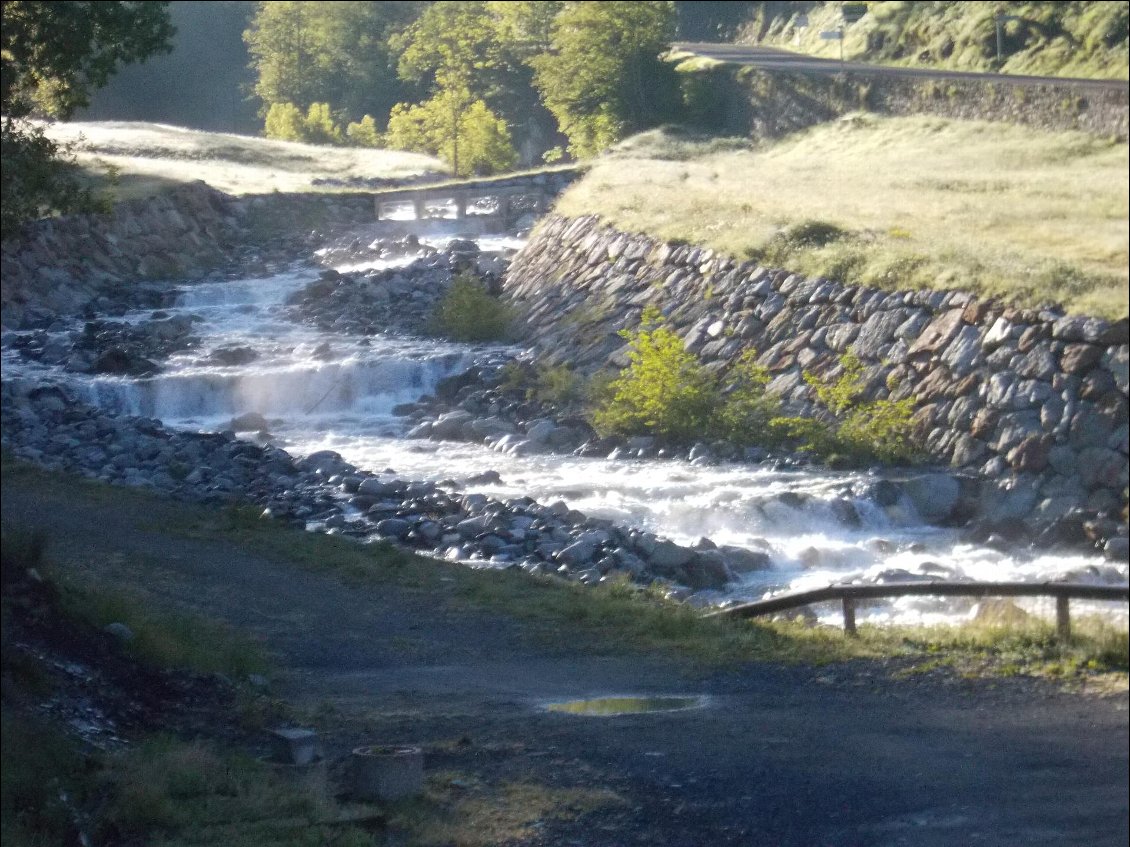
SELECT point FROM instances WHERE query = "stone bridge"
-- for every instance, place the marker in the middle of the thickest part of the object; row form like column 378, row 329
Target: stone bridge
column 502, row 200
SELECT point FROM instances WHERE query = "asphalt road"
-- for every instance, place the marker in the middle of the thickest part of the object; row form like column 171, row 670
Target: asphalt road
column 842, row 756
column 775, row 59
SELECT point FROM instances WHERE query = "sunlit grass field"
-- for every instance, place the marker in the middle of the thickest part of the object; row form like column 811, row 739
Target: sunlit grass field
column 145, row 158
column 916, row 202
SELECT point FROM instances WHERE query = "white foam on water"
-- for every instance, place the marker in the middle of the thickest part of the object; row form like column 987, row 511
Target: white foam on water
column 320, row 390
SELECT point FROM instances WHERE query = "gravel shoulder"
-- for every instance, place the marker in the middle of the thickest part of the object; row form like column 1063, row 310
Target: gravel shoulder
column 783, row 755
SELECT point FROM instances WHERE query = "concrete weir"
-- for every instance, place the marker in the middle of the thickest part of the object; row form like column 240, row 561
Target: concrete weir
column 505, row 199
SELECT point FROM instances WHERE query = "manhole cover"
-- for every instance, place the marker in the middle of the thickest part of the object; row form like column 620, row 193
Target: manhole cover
column 606, row 706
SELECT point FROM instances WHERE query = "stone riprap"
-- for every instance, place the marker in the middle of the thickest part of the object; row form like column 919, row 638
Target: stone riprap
column 393, row 300
column 49, row 427
column 1034, row 401
column 66, row 265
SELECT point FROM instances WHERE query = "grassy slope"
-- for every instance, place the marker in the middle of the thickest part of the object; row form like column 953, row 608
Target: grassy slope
column 150, row 157
column 1074, row 39
column 926, row 202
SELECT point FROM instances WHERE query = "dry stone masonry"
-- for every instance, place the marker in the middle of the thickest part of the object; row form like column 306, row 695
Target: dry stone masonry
column 1034, row 401
column 63, row 265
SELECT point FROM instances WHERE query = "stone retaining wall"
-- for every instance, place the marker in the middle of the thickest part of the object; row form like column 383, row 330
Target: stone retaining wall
column 59, row 265
column 1035, row 401
column 770, row 104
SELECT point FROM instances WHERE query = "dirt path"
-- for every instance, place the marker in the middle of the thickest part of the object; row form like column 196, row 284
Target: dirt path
column 780, row 755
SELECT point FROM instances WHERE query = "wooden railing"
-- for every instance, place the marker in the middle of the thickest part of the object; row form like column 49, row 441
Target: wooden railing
column 850, row 595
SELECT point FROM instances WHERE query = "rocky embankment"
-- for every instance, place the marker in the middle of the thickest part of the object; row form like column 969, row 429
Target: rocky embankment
column 1033, row 402
column 92, row 262
column 46, row 426
column 447, row 519
column 394, row 300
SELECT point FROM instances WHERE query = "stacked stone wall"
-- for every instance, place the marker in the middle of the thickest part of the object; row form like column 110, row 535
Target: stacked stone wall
column 771, row 104
column 1035, row 401
column 59, row 265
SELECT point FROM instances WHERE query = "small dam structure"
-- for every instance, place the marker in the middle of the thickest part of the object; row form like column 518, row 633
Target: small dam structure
column 504, row 200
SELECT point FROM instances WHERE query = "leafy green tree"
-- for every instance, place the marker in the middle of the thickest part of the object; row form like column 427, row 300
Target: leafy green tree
column 283, row 53
column 603, row 77
column 364, row 133
column 665, row 390
column 339, row 53
column 319, row 125
column 51, row 56
column 466, row 133
column 454, row 51
column 524, row 28
column 285, row 122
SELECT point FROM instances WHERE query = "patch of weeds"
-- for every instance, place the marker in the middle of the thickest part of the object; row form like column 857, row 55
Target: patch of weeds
column 43, row 777
column 187, row 794
column 459, row 809
column 469, row 313
column 163, row 639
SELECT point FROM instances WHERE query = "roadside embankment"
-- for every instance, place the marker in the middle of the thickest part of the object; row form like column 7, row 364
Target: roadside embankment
column 1034, row 401
column 771, row 104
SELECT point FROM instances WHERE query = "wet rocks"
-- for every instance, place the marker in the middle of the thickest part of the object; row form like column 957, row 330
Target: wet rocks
column 396, row 300
column 1035, row 402
column 323, row 491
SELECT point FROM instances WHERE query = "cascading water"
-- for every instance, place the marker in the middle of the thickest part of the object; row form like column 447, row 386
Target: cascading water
column 317, row 389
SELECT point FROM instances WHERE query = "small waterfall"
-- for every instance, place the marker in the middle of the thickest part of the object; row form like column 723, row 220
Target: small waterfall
column 358, row 386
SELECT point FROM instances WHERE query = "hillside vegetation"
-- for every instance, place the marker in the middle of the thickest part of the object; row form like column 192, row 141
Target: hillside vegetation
column 143, row 158
column 915, row 202
column 1074, row 39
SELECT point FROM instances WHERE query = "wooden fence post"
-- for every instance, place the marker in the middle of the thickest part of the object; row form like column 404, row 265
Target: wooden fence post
column 1063, row 617
column 849, row 617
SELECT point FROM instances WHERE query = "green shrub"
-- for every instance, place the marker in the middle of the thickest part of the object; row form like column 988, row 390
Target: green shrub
column 806, row 235
column 747, row 412
column 286, row 122
column 864, row 430
column 665, row 390
column 468, row 312
column 364, row 133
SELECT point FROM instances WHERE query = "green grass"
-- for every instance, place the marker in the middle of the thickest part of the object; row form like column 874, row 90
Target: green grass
column 164, row 638
column 40, row 767
column 131, row 160
column 458, row 809
column 917, row 202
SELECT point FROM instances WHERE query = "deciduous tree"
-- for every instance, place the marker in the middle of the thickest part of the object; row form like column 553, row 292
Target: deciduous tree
column 603, row 78
column 51, row 56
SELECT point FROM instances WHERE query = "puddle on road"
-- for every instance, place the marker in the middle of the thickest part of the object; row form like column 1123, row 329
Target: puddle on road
column 610, row 706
